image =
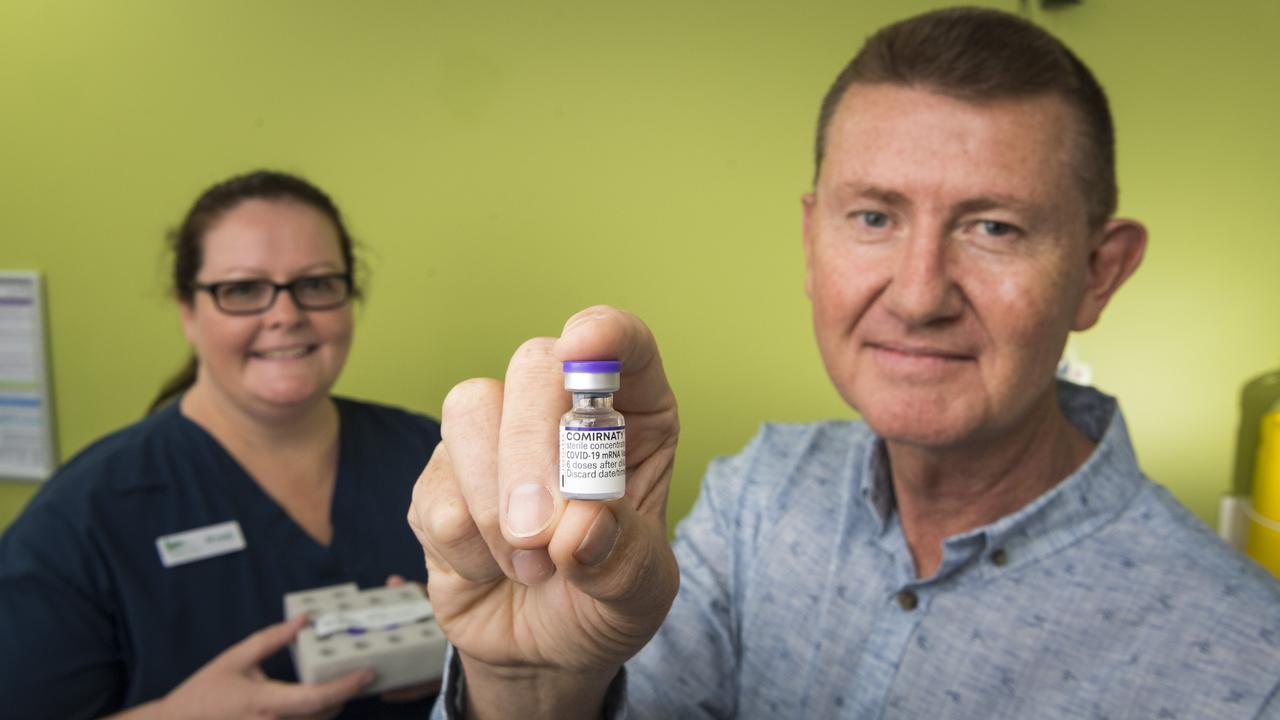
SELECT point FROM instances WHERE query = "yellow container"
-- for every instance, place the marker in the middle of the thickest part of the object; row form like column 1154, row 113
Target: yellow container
column 1263, row 544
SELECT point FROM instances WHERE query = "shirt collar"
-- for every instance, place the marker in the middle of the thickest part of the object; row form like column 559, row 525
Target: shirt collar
column 1097, row 490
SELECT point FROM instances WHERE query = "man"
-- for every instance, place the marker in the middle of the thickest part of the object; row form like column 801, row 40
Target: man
column 982, row 545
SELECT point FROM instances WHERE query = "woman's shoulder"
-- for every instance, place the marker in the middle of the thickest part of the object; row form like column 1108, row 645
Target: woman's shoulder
column 128, row 445
column 116, row 462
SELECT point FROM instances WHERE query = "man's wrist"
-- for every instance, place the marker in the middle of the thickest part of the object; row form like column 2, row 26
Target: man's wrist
column 502, row 692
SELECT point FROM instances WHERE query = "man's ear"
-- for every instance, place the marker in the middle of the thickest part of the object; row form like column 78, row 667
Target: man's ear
column 1114, row 257
column 808, row 201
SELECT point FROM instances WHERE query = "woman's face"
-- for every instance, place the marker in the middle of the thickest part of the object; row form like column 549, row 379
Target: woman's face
column 284, row 358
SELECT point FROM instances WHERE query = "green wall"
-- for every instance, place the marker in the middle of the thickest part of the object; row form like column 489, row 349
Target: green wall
column 508, row 163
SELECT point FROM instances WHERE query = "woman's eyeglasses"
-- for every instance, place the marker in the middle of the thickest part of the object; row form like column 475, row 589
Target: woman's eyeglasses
column 250, row 297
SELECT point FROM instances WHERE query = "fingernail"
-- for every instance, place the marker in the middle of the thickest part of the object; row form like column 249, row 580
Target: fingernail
column 532, row 566
column 601, row 537
column 529, row 509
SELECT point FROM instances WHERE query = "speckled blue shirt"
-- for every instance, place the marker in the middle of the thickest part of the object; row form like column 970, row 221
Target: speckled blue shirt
column 1103, row 598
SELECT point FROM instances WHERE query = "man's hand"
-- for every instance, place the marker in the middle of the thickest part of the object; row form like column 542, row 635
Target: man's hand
column 544, row 598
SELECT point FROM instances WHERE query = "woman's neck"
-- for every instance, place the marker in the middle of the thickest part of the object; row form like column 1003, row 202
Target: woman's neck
column 245, row 430
column 292, row 456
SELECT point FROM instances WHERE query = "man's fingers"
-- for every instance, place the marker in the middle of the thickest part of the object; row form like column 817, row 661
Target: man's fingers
column 619, row 557
column 471, row 422
column 284, row 698
column 264, row 643
column 503, row 441
column 444, row 525
column 645, row 398
column 533, row 401
column 605, row 333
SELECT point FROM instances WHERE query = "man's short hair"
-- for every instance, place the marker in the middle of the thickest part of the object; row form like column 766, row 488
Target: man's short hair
column 976, row 54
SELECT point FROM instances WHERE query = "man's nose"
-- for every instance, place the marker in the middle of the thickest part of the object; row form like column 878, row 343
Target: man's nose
column 923, row 289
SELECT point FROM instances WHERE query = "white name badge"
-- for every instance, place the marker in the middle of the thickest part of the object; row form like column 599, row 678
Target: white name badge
column 201, row 543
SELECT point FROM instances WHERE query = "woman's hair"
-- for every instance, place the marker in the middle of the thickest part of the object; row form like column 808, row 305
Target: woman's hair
column 186, row 241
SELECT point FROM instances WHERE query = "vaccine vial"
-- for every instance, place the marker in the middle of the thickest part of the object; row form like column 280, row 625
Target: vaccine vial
column 593, row 436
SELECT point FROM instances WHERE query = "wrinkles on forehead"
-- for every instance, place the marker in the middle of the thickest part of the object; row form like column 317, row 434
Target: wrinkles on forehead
column 898, row 143
column 1033, row 142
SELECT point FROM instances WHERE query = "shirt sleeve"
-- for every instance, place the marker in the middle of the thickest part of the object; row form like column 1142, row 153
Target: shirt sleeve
column 449, row 702
column 59, row 655
column 690, row 668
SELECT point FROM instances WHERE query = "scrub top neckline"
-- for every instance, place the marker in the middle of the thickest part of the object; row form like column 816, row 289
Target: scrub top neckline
column 243, row 475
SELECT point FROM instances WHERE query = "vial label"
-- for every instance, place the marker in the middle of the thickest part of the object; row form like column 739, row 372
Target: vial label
column 593, row 461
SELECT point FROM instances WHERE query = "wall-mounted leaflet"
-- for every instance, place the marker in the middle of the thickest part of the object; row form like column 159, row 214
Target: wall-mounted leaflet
column 27, row 445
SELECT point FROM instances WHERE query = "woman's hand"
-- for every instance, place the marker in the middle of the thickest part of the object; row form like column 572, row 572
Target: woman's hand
column 232, row 685
column 409, row 693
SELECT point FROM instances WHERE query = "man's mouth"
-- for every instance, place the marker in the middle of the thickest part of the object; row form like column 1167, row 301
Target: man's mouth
column 914, row 358
column 922, row 351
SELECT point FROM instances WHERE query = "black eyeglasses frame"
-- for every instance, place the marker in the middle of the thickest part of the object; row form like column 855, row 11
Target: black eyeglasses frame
column 291, row 286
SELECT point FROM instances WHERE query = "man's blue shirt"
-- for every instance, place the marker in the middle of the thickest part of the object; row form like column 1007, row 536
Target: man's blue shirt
column 1103, row 598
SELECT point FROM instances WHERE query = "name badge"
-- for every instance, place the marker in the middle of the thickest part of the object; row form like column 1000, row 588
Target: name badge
column 201, row 543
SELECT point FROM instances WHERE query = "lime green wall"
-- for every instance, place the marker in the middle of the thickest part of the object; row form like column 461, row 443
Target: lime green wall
column 486, row 153
column 1195, row 88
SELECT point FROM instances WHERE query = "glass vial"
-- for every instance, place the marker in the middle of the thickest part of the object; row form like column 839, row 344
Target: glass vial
column 593, row 436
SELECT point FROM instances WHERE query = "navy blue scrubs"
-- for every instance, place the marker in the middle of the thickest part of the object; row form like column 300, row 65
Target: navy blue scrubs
column 90, row 620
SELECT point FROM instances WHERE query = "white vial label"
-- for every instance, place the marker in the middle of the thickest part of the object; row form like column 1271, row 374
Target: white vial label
column 593, row 461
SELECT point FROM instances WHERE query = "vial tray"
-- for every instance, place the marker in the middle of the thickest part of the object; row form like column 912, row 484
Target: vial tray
column 390, row 630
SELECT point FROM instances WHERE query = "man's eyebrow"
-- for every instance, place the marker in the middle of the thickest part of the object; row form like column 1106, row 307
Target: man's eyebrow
column 895, row 199
column 993, row 202
column 891, row 198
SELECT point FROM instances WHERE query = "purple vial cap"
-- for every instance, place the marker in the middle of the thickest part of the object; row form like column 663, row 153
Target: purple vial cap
column 593, row 366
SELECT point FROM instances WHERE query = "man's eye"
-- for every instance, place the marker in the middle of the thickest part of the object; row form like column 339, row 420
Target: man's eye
column 872, row 219
column 995, row 228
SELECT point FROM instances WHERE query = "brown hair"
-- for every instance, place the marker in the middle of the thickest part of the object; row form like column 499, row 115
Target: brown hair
column 978, row 54
column 186, row 241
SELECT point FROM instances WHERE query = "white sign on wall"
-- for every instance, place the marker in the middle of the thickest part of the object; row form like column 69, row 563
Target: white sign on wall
column 27, row 448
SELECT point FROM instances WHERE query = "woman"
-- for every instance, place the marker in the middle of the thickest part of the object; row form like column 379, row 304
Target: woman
column 106, row 604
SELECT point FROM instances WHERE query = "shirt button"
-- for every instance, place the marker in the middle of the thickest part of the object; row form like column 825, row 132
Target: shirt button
column 999, row 558
column 907, row 600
